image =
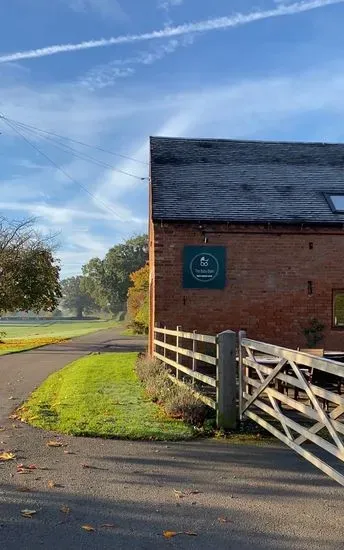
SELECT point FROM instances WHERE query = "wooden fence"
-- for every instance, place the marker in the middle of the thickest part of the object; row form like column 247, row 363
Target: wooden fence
column 297, row 397
column 207, row 362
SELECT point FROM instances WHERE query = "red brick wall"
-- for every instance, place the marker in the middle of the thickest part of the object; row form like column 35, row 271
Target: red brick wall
column 268, row 270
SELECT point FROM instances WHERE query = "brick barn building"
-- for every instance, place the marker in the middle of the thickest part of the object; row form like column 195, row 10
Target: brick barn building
column 248, row 235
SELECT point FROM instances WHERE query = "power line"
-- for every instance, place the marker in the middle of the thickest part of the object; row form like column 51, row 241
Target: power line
column 76, row 182
column 75, row 141
column 78, row 154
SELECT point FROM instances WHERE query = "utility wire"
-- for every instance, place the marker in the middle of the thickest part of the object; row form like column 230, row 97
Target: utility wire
column 76, row 182
column 75, row 141
column 79, row 154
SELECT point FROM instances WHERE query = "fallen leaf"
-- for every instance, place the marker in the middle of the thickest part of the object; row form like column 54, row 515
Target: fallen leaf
column 10, row 398
column 51, row 484
column 109, row 526
column 170, row 534
column 23, row 490
column 7, row 456
column 68, row 452
column 88, row 528
column 224, row 520
column 23, row 470
column 65, row 509
column 2, row 429
column 32, row 467
column 28, row 513
column 178, row 494
column 55, row 444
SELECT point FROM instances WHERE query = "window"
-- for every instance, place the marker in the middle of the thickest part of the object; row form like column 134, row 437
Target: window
column 336, row 202
column 338, row 308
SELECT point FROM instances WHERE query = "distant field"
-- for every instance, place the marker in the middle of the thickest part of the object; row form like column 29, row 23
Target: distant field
column 27, row 335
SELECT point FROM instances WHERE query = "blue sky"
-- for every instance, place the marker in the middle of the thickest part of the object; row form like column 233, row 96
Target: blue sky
column 276, row 71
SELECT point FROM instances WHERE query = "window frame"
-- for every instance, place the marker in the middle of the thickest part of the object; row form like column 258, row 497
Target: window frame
column 334, row 292
column 328, row 196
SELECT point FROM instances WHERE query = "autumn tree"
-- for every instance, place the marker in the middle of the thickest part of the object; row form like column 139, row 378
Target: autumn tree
column 138, row 300
column 29, row 272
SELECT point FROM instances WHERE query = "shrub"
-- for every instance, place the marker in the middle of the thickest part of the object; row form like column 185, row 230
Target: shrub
column 2, row 336
column 179, row 401
column 183, row 403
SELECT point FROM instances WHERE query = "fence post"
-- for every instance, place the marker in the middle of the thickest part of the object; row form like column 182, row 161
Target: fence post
column 165, row 338
column 242, row 334
column 194, row 349
column 177, row 345
column 226, row 393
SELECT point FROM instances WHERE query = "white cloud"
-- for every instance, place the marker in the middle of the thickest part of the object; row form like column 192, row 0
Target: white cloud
column 106, row 75
column 105, row 8
column 220, row 23
column 167, row 4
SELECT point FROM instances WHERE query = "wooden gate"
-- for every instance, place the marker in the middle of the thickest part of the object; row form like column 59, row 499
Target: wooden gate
column 296, row 397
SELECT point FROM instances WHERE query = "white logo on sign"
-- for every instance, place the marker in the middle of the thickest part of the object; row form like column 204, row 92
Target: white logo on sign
column 204, row 262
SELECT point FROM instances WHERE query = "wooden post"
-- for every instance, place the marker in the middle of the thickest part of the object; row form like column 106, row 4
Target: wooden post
column 194, row 349
column 177, row 345
column 226, row 393
column 242, row 334
column 164, row 344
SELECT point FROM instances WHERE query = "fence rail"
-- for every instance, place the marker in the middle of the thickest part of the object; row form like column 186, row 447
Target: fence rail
column 297, row 397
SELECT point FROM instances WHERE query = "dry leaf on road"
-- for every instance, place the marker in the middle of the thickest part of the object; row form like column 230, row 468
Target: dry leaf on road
column 28, row 513
column 88, row 528
column 170, row 534
column 65, row 509
column 224, row 520
column 55, row 444
column 7, row 456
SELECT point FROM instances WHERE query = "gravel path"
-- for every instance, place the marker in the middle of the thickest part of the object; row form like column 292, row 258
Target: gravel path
column 232, row 496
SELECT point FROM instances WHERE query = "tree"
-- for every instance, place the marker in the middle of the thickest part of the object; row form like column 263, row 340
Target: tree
column 29, row 273
column 108, row 280
column 74, row 298
column 138, row 301
column 92, row 282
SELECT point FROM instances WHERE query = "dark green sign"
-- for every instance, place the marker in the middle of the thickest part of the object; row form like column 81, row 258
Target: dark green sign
column 204, row 267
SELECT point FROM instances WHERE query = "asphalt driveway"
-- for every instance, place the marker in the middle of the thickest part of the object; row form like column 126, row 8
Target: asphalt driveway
column 215, row 495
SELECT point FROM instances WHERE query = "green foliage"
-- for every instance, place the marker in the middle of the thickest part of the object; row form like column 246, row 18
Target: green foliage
column 138, row 300
column 101, row 396
column 107, row 281
column 29, row 273
column 75, row 299
column 314, row 333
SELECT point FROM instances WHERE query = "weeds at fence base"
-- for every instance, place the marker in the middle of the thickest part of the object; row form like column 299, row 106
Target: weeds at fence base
column 178, row 401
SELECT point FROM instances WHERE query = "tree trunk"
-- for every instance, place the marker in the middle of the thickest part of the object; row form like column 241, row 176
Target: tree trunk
column 79, row 313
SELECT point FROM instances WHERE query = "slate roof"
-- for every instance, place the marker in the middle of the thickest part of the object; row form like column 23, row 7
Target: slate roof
column 245, row 181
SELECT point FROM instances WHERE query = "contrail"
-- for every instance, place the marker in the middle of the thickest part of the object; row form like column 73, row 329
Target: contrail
column 198, row 27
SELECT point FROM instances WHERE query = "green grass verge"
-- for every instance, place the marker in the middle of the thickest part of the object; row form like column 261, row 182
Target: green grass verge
column 101, row 396
column 25, row 337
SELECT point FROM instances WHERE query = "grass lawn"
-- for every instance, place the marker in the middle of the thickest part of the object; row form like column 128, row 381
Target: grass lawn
column 100, row 396
column 22, row 336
